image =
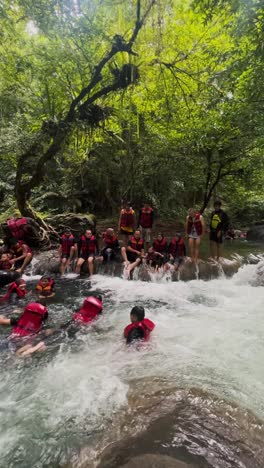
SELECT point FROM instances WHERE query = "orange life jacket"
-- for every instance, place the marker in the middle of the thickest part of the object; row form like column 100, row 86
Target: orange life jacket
column 127, row 219
column 47, row 289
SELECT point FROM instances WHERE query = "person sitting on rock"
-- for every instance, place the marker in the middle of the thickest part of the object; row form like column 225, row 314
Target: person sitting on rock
column 88, row 251
column 134, row 252
column 140, row 327
column 22, row 254
column 110, row 245
column 45, row 287
column 160, row 246
column 154, row 259
column 68, row 248
column 177, row 251
column 5, row 263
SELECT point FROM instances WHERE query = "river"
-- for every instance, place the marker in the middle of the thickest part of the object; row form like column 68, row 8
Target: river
column 200, row 379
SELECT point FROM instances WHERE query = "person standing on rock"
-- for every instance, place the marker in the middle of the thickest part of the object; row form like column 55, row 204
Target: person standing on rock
column 127, row 221
column 218, row 226
column 145, row 222
column 67, row 250
column 194, row 230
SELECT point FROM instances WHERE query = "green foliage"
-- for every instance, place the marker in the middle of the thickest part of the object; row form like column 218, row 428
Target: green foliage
column 188, row 128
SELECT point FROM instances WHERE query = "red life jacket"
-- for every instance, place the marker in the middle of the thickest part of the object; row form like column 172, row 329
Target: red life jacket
column 160, row 246
column 13, row 288
column 88, row 245
column 146, row 217
column 177, row 248
column 91, row 307
column 47, row 290
column 127, row 218
column 136, row 244
column 5, row 265
column 66, row 243
column 196, row 222
column 16, row 227
column 110, row 241
column 145, row 325
column 31, row 320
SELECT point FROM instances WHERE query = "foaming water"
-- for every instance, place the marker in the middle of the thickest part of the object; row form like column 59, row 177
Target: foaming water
column 208, row 335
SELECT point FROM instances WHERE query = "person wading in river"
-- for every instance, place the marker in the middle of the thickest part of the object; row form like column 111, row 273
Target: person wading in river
column 140, row 327
column 194, row 230
column 218, row 226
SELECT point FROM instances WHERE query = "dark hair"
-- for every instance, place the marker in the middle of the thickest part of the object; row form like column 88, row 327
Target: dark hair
column 139, row 312
column 97, row 295
column 217, row 202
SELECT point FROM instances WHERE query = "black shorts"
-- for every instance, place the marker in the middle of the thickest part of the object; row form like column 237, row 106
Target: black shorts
column 132, row 257
column 86, row 256
column 215, row 238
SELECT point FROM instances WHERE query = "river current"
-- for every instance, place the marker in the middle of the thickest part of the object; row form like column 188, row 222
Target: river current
column 200, row 379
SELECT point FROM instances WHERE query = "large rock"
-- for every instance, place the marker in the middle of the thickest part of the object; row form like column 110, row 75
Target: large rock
column 256, row 233
column 78, row 223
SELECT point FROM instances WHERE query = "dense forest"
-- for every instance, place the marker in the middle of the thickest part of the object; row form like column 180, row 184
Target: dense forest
column 140, row 99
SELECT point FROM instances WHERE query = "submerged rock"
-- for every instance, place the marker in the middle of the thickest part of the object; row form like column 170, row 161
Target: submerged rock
column 155, row 461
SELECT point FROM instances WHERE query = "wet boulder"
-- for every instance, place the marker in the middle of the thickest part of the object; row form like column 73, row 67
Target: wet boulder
column 46, row 262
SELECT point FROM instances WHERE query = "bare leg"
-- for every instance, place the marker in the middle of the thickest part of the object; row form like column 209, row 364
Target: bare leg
column 124, row 255
column 28, row 349
column 197, row 249
column 80, row 262
column 27, row 260
column 191, row 248
column 91, row 265
column 213, row 249
column 63, row 265
column 134, row 264
column 219, row 250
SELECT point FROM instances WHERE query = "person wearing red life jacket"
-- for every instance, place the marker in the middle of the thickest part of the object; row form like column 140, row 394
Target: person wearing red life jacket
column 127, row 221
column 145, row 222
column 17, row 288
column 134, row 252
column 90, row 310
column 22, row 254
column 160, row 246
column 88, row 250
column 26, row 327
column 110, row 245
column 194, row 230
column 16, row 227
column 140, row 327
column 5, row 263
column 45, row 287
column 177, row 250
column 67, row 250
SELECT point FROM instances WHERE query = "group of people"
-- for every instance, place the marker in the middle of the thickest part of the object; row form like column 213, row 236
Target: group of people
column 30, row 334
column 137, row 246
